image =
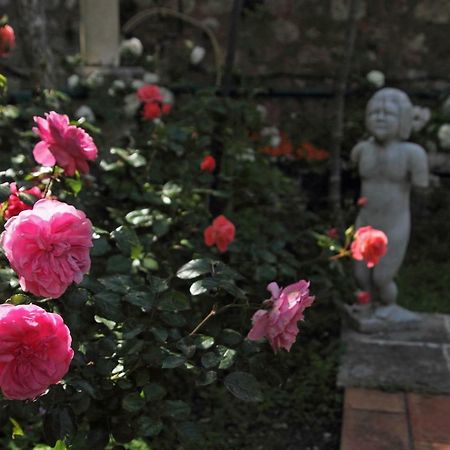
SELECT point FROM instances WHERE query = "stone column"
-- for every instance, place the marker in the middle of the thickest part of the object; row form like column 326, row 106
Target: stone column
column 99, row 32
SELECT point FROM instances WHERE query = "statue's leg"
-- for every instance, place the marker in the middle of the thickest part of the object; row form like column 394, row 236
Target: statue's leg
column 385, row 271
column 362, row 275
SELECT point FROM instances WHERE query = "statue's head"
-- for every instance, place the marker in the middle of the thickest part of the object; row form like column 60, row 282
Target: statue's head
column 389, row 115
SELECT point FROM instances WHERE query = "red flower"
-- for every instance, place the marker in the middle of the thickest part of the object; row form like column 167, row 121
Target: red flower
column 310, row 152
column 221, row 233
column 363, row 297
column 149, row 93
column 151, row 111
column 15, row 204
column 284, row 148
column 332, row 233
column 208, row 164
column 369, row 245
column 362, row 201
column 7, row 39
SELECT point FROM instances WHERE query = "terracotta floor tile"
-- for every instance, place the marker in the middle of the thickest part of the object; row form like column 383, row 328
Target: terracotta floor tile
column 428, row 446
column 430, row 420
column 373, row 430
column 374, row 400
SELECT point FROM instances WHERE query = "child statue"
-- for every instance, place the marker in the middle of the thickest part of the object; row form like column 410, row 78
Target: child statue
column 388, row 166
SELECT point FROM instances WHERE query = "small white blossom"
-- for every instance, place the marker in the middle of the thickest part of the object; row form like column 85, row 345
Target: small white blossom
column 95, row 79
column 273, row 134
column 197, row 55
column 376, row 78
column 136, row 84
column 132, row 104
column 132, row 46
column 86, row 112
column 262, row 111
column 73, row 81
column 151, row 78
column 444, row 135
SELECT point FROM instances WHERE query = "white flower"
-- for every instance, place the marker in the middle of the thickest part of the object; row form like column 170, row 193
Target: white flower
column 86, row 112
column 132, row 46
column 132, row 104
column 136, row 84
column 262, row 111
column 444, row 135
column 151, row 78
column 73, row 81
column 376, row 78
column 197, row 54
column 95, row 79
column 248, row 154
column 118, row 85
column 273, row 134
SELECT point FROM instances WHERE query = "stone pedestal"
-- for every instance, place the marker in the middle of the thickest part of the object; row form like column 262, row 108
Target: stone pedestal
column 99, row 32
column 414, row 356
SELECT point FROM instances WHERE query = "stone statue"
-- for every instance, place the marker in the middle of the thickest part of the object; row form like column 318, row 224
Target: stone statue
column 388, row 166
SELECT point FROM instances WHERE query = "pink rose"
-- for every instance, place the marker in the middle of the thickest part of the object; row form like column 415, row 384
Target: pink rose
column 279, row 324
column 14, row 204
column 48, row 247
column 362, row 201
column 34, row 350
column 369, row 245
column 68, row 146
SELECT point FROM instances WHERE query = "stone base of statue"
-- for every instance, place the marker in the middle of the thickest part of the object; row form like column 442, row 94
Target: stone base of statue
column 370, row 319
column 393, row 348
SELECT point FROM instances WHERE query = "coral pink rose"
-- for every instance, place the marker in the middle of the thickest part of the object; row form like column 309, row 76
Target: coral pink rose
column 369, row 245
column 279, row 324
column 7, row 39
column 15, row 205
column 68, row 146
column 34, row 350
column 150, row 93
column 362, row 201
column 48, row 247
column 221, row 233
column 151, row 111
column 208, row 164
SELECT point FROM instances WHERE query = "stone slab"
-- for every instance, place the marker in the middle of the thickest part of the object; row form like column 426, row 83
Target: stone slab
column 383, row 362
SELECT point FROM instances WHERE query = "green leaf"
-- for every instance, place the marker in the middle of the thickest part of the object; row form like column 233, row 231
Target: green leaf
column 194, row 269
column 203, row 286
column 209, row 377
column 149, row 427
column 143, row 300
column 153, row 391
column 108, row 305
column 210, row 360
column 244, row 386
column 227, row 357
column 5, row 192
column 74, row 184
column 17, row 429
column 117, row 283
column 28, row 199
column 101, row 247
column 140, row 217
column 174, row 301
column 230, row 337
column 130, row 156
column 176, row 409
column 173, row 361
column 203, row 342
column 126, row 239
column 133, row 402
column 157, row 285
column 190, row 432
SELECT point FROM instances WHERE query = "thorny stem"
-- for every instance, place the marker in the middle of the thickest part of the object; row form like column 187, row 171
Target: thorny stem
column 47, row 190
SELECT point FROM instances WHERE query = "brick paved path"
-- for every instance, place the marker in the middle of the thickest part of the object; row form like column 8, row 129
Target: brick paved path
column 377, row 420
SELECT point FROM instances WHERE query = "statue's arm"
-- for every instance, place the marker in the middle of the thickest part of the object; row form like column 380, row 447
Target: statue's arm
column 356, row 152
column 418, row 161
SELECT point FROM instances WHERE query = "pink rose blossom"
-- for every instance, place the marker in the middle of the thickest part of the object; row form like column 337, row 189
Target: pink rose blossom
column 48, row 247
column 68, row 146
column 369, row 245
column 34, row 350
column 279, row 324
